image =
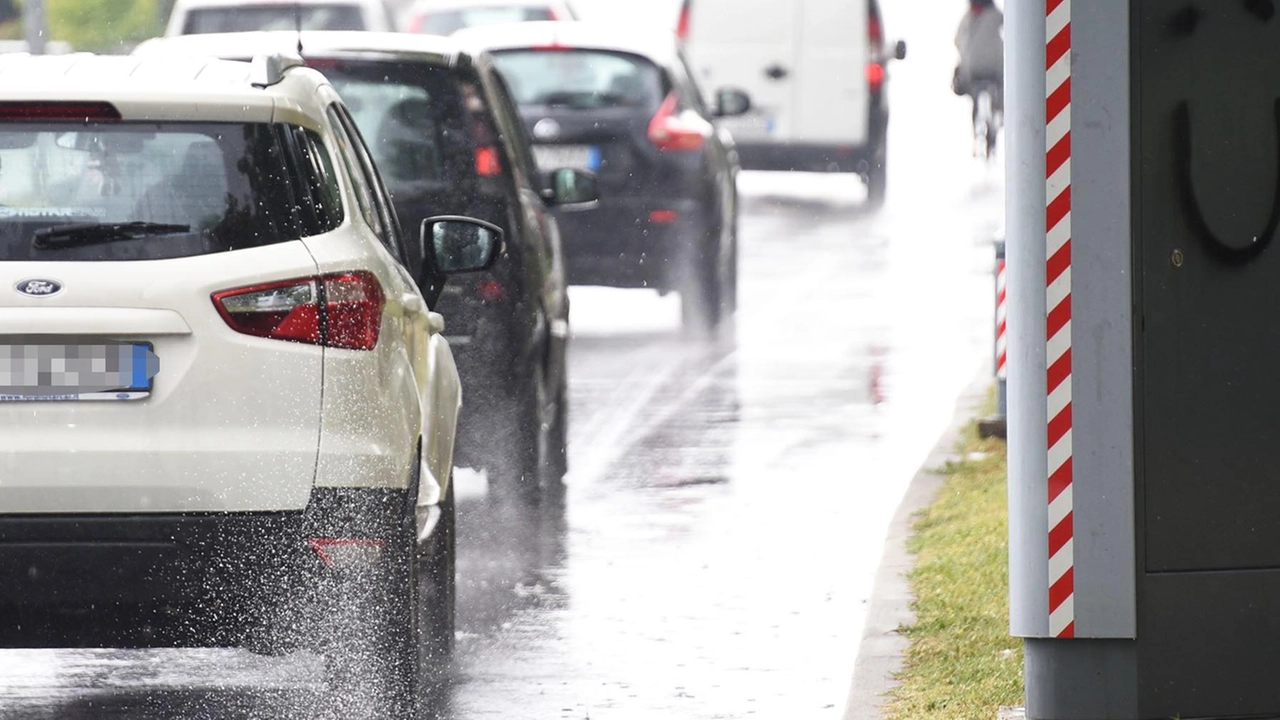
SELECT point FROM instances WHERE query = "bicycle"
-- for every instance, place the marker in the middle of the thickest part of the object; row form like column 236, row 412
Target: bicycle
column 988, row 118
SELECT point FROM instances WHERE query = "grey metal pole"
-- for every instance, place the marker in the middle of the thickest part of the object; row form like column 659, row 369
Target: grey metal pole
column 33, row 20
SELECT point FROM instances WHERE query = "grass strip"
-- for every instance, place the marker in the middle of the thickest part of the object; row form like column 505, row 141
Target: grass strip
column 961, row 662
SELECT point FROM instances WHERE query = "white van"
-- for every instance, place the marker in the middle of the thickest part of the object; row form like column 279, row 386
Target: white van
column 815, row 71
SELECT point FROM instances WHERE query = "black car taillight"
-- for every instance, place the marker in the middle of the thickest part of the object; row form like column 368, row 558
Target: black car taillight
column 672, row 131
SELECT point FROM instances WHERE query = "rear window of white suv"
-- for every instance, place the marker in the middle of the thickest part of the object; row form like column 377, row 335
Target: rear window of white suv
column 116, row 190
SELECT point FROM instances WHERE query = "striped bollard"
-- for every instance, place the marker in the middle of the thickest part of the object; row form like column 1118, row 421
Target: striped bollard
column 996, row 425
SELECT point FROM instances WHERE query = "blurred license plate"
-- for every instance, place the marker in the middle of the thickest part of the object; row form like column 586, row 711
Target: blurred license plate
column 115, row 371
column 576, row 157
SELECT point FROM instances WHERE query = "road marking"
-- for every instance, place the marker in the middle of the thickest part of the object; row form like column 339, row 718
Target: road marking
column 625, row 430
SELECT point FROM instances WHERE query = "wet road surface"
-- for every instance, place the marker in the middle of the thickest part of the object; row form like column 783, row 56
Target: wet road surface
column 727, row 502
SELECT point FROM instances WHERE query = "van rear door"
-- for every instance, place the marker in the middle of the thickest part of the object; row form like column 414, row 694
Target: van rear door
column 803, row 63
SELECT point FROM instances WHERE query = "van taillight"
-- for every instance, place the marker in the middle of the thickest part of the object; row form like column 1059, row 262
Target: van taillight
column 875, row 52
column 875, row 33
column 670, row 131
column 682, row 27
column 341, row 310
column 875, row 75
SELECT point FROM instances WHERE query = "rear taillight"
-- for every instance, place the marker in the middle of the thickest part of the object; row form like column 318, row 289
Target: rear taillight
column 875, row 53
column 875, row 75
column 353, row 307
column 487, row 162
column 342, row 310
column 875, row 33
column 682, row 27
column 58, row 110
column 670, row 131
column 492, row 291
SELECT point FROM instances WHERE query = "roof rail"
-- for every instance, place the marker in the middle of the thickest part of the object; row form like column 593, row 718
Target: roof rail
column 268, row 69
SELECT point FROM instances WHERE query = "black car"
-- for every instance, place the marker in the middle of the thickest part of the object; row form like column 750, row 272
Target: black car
column 622, row 104
column 447, row 140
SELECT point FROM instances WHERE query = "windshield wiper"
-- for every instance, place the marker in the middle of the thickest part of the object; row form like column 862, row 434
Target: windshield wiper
column 61, row 236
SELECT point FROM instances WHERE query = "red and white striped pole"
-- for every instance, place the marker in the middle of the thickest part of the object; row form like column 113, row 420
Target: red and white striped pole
column 997, row 426
column 1058, row 316
column 1002, row 320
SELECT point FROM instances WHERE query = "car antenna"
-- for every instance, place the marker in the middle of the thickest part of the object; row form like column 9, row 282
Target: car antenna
column 297, row 23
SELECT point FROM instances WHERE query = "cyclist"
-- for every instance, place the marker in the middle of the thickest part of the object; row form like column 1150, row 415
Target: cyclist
column 980, row 41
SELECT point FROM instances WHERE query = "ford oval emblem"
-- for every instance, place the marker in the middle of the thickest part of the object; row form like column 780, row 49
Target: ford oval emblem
column 546, row 129
column 38, row 287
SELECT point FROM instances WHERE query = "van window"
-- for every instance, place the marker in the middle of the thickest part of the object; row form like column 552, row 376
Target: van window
column 222, row 186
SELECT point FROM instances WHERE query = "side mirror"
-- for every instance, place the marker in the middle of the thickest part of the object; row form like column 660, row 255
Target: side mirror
column 459, row 244
column 900, row 50
column 731, row 102
column 572, row 187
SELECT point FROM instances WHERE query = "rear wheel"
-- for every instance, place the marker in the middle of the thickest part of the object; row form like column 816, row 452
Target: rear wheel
column 701, row 292
column 391, row 628
column 878, row 178
column 516, row 473
column 731, row 280
column 558, row 442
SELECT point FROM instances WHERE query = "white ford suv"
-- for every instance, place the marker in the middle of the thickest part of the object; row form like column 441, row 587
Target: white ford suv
column 226, row 413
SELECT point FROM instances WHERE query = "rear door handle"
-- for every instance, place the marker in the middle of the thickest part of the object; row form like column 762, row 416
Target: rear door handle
column 776, row 72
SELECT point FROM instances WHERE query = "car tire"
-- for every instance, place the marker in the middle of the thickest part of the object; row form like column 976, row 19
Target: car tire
column 877, row 182
column 391, row 629
column 701, row 292
column 877, row 177
column 558, row 442
column 436, row 605
column 731, row 279
column 516, row 474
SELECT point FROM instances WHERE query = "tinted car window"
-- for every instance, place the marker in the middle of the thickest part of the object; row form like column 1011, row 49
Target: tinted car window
column 450, row 21
column 273, row 17
column 397, row 119
column 227, row 182
column 430, row 133
column 581, row 78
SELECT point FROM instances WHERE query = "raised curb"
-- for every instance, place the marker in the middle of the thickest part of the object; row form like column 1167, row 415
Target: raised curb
column 882, row 647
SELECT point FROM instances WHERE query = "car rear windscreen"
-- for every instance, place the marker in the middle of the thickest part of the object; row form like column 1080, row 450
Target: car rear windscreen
column 447, row 22
column 248, row 18
column 581, row 79
column 148, row 191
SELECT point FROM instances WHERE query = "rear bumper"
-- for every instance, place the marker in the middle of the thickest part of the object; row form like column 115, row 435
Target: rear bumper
column 213, row 576
column 856, row 157
column 806, row 157
column 631, row 242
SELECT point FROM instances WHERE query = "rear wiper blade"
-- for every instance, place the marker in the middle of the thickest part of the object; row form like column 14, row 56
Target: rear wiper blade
column 60, row 236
